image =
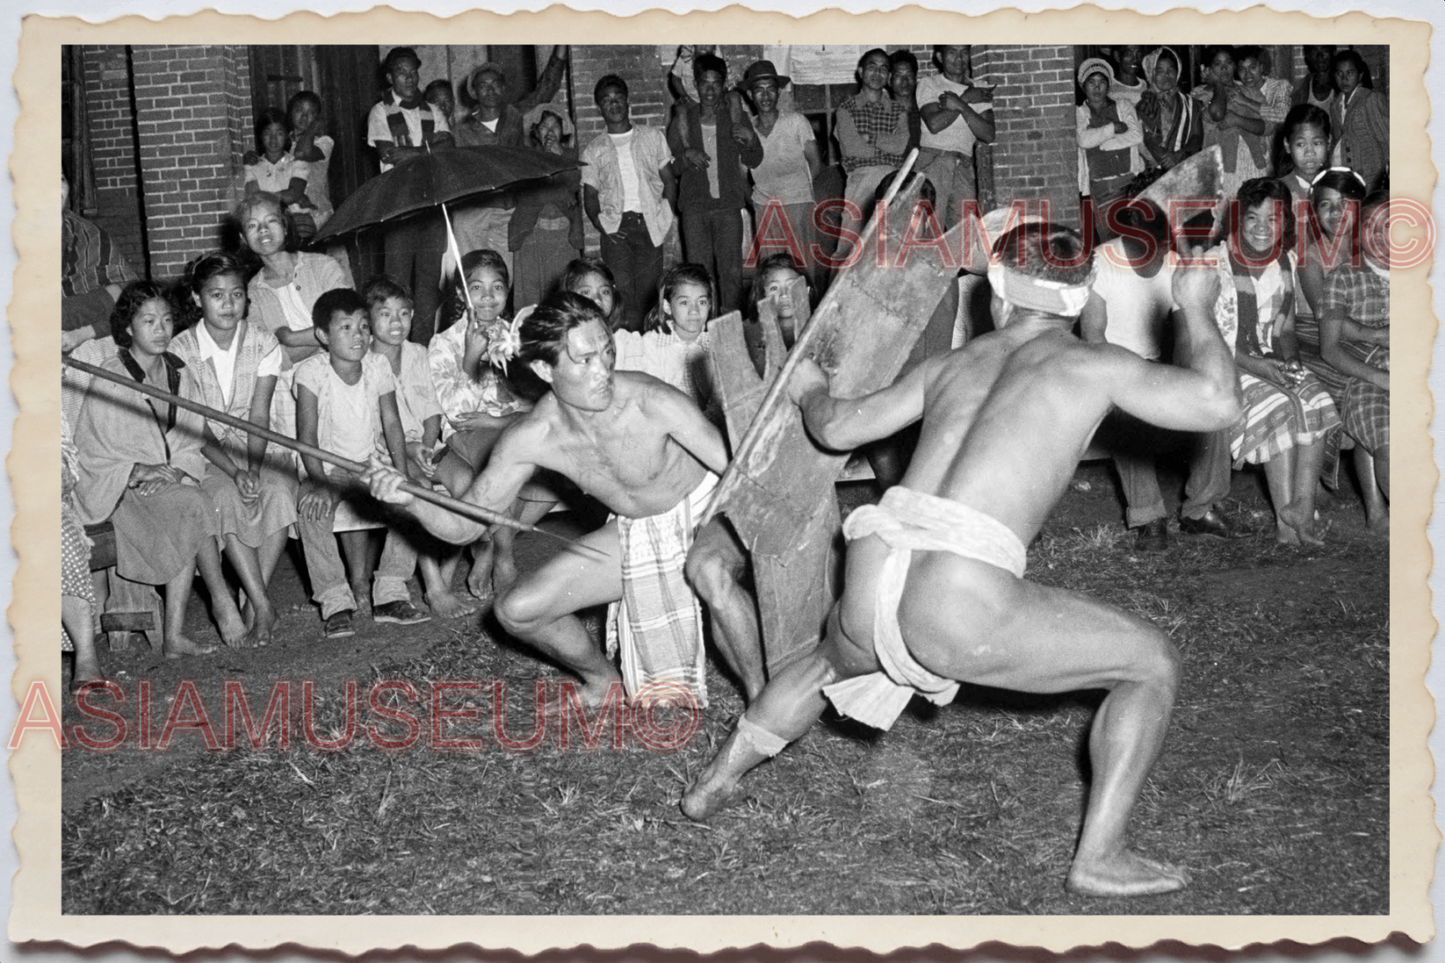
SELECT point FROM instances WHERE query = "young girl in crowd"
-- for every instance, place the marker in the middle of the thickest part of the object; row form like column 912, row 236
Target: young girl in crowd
column 1361, row 120
column 478, row 403
column 1335, row 201
column 1355, row 342
column 1287, row 412
column 141, row 467
column 346, row 403
column 774, row 279
column 278, row 171
column 1304, row 148
column 675, row 341
column 311, row 145
column 591, row 278
column 391, row 310
column 1231, row 120
column 235, row 365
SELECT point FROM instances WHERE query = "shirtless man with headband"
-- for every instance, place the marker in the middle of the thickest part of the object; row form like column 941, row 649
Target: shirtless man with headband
column 934, row 591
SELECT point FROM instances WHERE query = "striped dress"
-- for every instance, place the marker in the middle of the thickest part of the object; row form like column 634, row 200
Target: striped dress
column 1276, row 417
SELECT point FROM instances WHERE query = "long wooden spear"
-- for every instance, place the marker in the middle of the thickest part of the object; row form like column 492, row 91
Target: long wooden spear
column 451, row 504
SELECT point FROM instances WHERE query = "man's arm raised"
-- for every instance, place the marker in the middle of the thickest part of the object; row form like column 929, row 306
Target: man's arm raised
column 496, row 488
column 1201, row 397
column 842, row 424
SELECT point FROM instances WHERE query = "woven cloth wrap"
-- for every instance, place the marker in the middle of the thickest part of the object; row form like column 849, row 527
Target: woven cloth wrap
column 657, row 625
column 907, row 520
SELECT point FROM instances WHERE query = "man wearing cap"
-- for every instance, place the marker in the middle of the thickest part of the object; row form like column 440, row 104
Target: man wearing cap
column 484, row 223
column 402, row 127
column 712, row 187
column 783, row 179
column 934, row 590
column 956, row 116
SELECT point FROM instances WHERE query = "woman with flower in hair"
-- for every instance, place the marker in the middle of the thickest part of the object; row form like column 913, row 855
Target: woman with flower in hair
column 468, row 365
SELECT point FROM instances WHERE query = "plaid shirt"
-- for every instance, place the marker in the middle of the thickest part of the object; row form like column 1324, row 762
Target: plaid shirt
column 1364, row 297
column 873, row 120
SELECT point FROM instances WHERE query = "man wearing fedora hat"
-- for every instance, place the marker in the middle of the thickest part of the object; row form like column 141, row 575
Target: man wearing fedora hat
column 783, row 180
column 497, row 120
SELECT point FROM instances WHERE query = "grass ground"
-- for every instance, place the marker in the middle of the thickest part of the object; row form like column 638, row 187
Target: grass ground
column 1272, row 790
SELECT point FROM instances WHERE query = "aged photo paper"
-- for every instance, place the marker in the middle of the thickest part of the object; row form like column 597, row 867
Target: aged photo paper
column 51, row 902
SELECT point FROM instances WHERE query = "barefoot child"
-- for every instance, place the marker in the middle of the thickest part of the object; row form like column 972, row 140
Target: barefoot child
column 421, row 422
column 141, row 466
column 235, row 365
column 345, row 400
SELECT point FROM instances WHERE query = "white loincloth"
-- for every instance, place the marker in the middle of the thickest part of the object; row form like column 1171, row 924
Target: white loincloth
column 907, row 520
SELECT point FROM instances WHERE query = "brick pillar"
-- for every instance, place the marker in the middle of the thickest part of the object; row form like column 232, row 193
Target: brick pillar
column 111, row 127
column 193, row 107
column 1035, row 151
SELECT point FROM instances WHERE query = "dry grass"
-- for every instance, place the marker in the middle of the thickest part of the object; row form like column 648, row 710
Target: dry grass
column 1275, row 778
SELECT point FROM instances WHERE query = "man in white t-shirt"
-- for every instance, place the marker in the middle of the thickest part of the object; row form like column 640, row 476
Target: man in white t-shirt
column 403, row 127
column 956, row 116
column 629, row 195
column 1132, row 306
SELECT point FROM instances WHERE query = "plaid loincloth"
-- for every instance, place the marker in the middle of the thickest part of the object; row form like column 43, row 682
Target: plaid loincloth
column 657, row 625
column 906, row 520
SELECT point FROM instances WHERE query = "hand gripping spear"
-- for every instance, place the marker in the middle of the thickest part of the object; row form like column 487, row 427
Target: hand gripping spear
column 425, row 494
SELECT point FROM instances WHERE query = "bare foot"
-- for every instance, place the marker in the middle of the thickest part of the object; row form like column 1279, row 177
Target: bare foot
column 594, row 694
column 448, row 605
column 1125, row 873
column 479, row 579
column 707, row 797
column 233, row 633
column 86, row 669
column 1300, row 524
column 177, row 646
column 262, row 623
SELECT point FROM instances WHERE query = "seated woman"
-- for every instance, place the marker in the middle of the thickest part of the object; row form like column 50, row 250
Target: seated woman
column 1288, row 414
column 545, row 232
column 478, row 403
column 1335, row 198
column 1355, row 341
column 276, row 170
column 141, row 466
column 310, row 143
column 235, row 365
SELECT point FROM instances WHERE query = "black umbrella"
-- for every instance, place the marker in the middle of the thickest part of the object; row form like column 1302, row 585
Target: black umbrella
column 436, row 178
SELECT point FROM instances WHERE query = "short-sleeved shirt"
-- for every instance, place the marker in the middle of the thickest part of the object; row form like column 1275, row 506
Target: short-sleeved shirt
column 783, row 175
column 956, row 136
column 378, row 130
column 603, row 172
column 1138, row 307
column 277, row 177
column 348, row 417
column 416, row 395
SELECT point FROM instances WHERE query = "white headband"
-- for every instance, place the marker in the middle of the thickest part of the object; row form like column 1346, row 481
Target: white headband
column 1037, row 294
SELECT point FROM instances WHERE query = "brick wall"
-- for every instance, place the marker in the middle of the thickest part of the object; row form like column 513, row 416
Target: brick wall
column 194, row 119
column 110, row 124
column 1035, row 153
